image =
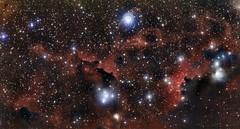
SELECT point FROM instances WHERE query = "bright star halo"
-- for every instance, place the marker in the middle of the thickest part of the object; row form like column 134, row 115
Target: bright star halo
column 128, row 19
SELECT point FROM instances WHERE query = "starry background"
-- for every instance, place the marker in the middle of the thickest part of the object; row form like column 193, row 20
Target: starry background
column 119, row 64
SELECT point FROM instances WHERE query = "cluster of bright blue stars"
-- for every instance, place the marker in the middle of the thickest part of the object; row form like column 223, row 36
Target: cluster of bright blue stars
column 105, row 95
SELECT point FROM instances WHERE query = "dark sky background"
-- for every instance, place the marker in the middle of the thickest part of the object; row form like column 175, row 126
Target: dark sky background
column 119, row 64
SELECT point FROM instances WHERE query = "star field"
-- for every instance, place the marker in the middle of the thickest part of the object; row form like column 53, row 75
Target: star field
column 119, row 64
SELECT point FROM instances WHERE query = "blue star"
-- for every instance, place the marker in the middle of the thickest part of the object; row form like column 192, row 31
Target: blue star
column 73, row 48
column 31, row 24
column 38, row 20
column 128, row 19
column 44, row 56
column 149, row 97
column 180, row 58
column 3, row 36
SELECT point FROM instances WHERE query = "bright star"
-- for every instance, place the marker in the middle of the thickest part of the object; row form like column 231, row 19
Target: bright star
column 216, row 64
column 194, row 16
column 212, row 45
column 116, row 116
column 219, row 74
column 182, row 98
column 38, row 20
column 128, row 19
column 147, row 77
column 149, row 97
column 167, row 80
column 3, row 35
column 180, row 58
column 44, row 56
column 73, row 48
column 31, row 24
column 184, row 120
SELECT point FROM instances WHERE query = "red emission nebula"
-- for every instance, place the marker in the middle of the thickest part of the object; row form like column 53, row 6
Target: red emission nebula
column 119, row 64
